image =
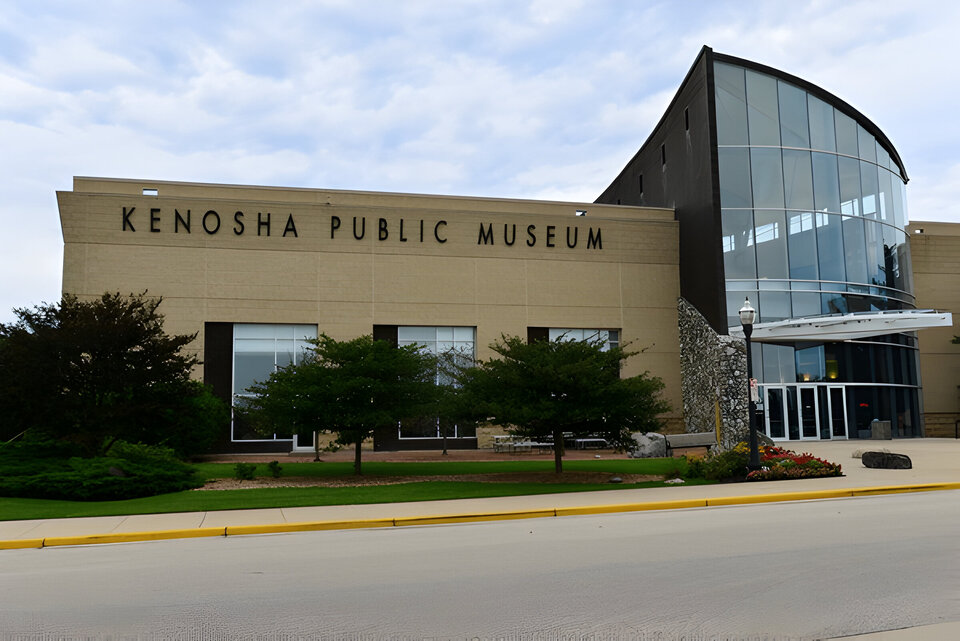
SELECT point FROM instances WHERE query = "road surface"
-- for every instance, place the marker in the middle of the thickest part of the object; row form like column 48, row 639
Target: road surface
column 787, row 570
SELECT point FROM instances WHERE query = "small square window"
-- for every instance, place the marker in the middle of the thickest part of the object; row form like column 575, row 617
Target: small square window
column 151, row 191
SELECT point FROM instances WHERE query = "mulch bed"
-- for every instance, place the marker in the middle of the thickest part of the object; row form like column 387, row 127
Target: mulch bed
column 359, row 481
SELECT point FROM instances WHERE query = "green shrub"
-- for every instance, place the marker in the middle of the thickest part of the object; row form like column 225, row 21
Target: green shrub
column 275, row 469
column 244, row 471
column 720, row 466
column 47, row 471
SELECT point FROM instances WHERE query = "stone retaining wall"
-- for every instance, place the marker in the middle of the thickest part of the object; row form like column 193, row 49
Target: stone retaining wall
column 713, row 371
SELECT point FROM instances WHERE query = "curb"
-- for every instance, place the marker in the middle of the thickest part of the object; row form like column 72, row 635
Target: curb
column 468, row 517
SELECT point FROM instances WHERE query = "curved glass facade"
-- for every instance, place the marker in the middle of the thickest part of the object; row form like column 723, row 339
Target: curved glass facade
column 813, row 216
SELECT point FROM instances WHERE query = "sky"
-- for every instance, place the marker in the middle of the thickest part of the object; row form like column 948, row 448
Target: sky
column 546, row 99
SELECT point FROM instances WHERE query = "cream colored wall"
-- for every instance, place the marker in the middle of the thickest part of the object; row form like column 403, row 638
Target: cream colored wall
column 936, row 271
column 345, row 286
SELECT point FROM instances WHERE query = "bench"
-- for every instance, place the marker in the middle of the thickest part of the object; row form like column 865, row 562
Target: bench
column 693, row 439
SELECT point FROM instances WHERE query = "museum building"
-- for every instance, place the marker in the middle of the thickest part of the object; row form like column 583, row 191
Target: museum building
column 754, row 185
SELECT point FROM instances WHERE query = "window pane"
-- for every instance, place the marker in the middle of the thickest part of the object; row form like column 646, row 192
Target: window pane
column 731, row 105
column 830, row 247
column 805, row 304
column 464, row 333
column 793, row 116
column 896, row 189
column 767, row 170
column 855, row 252
column 826, row 183
column 798, row 179
column 417, row 334
column 254, row 330
column 821, row 125
column 885, row 195
column 870, row 188
column 771, row 241
column 251, row 367
column 762, row 109
column 846, row 134
column 802, row 246
column 867, row 144
column 849, row 186
column 774, row 306
column 735, row 178
column 873, row 239
column 810, row 364
column 739, row 256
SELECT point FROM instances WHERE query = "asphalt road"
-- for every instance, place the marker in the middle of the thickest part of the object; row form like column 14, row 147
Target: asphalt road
column 786, row 570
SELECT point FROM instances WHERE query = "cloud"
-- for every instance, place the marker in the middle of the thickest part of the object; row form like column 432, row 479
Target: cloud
column 545, row 99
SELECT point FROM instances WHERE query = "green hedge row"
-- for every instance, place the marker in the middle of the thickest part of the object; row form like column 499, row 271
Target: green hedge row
column 47, row 471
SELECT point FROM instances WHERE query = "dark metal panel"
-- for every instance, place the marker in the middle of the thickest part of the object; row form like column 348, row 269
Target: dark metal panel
column 687, row 181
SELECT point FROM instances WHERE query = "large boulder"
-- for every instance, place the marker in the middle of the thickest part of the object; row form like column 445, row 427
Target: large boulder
column 886, row 461
column 649, row 445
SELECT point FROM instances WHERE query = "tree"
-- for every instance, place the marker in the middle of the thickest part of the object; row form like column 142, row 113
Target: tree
column 547, row 388
column 349, row 388
column 94, row 372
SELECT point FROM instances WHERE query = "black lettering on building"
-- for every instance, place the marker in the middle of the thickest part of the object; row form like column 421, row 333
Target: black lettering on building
column 206, row 225
column 363, row 228
column 334, row 225
column 594, row 242
column 486, row 235
column 382, row 233
column 403, row 238
column 436, row 231
column 179, row 220
column 154, row 219
column 261, row 223
column 576, row 232
column 290, row 227
column 509, row 241
column 531, row 237
column 238, row 225
column 551, row 234
column 421, row 230
column 126, row 219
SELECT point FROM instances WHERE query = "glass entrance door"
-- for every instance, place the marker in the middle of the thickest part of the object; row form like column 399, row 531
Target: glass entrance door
column 837, row 411
column 303, row 441
column 775, row 414
column 808, row 416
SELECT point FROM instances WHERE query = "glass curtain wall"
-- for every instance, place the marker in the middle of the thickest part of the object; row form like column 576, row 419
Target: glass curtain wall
column 457, row 342
column 258, row 351
column 813, row 218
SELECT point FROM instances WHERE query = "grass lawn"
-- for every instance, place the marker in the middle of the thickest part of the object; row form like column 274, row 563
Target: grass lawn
column 16, row 508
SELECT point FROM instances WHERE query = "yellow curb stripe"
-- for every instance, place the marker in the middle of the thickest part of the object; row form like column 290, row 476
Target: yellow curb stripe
column 235, row 530
column 127, row 537
column 631, row 507
column 307, row 526
column 780, row 497
column 466, row 518
column 17, row 544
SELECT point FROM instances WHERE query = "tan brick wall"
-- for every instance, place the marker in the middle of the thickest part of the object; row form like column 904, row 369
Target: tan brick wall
column 935, row 255
column 325, row 276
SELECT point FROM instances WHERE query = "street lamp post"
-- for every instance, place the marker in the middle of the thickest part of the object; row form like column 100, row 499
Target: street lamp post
column 747, row 315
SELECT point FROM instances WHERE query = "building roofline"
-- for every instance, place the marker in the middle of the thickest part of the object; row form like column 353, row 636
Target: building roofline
column 823, row 94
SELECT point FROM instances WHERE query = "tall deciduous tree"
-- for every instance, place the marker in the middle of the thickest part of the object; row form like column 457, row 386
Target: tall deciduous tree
column 94, row 372
column 548, row 388
column 350, row 388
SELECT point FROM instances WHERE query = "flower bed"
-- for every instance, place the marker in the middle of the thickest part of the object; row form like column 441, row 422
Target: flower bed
column 778, row 463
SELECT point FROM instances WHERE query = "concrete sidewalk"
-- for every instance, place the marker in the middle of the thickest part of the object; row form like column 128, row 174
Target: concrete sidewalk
column 936, row 465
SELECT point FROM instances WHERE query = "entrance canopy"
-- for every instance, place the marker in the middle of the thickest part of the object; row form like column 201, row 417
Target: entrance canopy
column 842, row 327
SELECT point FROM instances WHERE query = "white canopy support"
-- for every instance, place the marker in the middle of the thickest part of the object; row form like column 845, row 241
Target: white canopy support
column 842, row 327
